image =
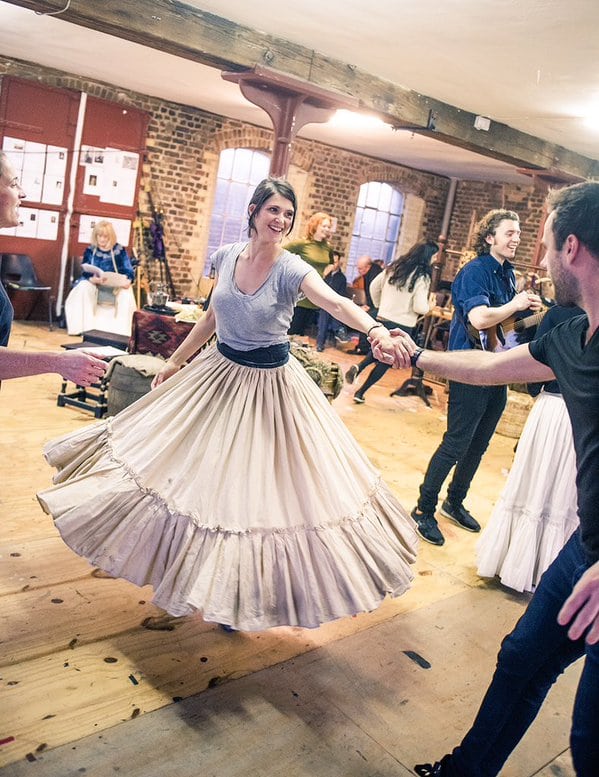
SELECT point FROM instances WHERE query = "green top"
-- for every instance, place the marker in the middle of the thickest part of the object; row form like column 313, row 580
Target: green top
column 316, row 254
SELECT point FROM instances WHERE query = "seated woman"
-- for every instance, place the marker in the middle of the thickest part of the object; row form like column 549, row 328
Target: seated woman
column 99, row 300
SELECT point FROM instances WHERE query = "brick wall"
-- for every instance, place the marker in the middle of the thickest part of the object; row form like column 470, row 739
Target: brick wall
column 180, row 167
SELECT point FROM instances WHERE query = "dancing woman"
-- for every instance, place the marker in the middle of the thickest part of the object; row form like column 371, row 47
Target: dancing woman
column 215, row 487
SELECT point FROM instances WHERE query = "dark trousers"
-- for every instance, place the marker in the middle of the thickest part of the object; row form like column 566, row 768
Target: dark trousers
column 530, row 660
column 379, row 367
column 472, row 415
column 326, row 323
column 303, row 318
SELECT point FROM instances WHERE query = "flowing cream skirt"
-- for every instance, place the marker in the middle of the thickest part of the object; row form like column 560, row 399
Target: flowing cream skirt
column 237, row 492
column 536, row 513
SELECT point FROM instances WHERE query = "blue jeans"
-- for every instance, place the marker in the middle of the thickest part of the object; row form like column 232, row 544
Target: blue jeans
column 530, row 660
column 326, row 322
column 473, row 412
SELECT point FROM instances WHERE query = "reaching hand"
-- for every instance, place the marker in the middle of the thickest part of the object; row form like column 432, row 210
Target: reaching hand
column 583, row 606
column 165, row 373
column 394, row 348
column 80, row 367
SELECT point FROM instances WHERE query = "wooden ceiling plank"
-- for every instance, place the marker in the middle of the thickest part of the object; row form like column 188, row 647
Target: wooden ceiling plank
column 179, row 29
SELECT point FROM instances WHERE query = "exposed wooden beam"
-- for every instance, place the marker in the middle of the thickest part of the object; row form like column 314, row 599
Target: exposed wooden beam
column 179, row 29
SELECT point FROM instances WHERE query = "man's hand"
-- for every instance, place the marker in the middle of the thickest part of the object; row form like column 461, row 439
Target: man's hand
column 528, row 300
column 583, row 606
column 394, row 348
column 80, row 367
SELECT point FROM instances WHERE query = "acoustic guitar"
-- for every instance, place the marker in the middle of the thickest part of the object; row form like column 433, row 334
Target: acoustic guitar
column 503, row 336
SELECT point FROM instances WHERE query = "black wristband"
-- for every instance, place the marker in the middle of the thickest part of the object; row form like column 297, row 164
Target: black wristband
column 415, row 356
column 374, row 326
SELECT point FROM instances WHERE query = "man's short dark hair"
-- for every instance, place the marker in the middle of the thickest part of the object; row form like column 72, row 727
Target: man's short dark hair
column 576, row 211
column 487, row 227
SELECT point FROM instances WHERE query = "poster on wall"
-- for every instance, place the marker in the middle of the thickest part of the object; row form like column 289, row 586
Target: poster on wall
column 40, row 169
column 54, row 175
column 35, row 224
column 120, row 176
column 122, row 227
column 47, row 225
column 15, row 152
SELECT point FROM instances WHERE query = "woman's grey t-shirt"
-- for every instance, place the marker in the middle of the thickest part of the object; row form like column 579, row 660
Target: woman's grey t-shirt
column 247, row 321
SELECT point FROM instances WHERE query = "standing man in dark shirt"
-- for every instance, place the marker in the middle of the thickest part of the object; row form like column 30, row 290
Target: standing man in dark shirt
column 484, row 295
column 561, row 622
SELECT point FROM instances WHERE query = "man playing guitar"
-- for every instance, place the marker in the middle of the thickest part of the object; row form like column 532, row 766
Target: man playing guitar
column 484, row 295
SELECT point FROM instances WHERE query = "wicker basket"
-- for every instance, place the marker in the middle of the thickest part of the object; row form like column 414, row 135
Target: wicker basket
column 515, row 414
column 327, row 375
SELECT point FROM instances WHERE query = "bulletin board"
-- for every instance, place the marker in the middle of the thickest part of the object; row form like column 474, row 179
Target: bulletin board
column 79, row 159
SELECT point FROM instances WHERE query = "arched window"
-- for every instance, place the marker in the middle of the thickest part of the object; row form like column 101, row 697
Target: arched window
column 376, row 225
column 240, row 170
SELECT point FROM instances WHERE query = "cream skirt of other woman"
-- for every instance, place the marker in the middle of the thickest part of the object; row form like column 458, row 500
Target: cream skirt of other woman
column 536, row 513
column 236, row 492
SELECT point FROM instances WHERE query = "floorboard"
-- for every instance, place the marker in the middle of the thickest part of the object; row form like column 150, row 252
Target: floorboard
column 85, row 688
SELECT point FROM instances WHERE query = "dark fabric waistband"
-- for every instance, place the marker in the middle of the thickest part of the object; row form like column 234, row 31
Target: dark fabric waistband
column 265, row 358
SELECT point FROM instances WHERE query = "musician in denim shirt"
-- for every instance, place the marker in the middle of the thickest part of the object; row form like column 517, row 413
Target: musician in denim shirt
column 483, row 295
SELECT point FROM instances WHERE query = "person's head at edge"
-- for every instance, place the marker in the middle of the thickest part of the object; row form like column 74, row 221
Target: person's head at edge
column 498, row 234
column 319, row 227
column 103, row 236
column 263, row 192
column 11, row 193
column 573, row 221
column 363, row 264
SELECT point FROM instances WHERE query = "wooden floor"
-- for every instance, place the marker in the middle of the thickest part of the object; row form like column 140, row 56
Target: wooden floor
column 77, row 666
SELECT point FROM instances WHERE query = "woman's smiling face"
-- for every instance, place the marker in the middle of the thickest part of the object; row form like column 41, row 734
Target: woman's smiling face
column 273, row 220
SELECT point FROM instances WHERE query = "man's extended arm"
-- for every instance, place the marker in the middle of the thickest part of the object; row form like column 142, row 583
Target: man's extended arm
column 478, row 368
column 76, row 365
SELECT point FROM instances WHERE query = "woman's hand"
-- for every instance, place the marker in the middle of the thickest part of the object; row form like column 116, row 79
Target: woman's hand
column 165, row 373
column 382, row 345
column 394, row 348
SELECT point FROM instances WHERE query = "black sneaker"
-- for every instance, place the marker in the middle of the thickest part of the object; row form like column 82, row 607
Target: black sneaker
column 429, row 770
column 341, row 336
column 352, row 373
column 440, row 768
column 359, row 399
column 458, row 514
column 427, row 528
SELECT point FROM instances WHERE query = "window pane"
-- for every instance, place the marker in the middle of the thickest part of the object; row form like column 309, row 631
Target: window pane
column 372, row 194
column 396, row 201
column 385, row 194
column 377, row 224
column 393, row 228
column 241, row 166
column 368, row 219
column 380, row 224
column 239, row 171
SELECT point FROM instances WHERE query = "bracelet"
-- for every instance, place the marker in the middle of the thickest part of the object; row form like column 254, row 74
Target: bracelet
column 374, row 326
column 415, row 356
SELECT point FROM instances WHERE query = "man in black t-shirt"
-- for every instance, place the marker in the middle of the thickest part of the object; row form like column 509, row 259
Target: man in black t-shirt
column 561, row 622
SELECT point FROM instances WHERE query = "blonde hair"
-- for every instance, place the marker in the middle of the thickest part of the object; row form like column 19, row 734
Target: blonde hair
column 104, row 226
column 314, row 222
